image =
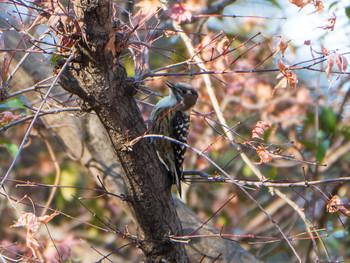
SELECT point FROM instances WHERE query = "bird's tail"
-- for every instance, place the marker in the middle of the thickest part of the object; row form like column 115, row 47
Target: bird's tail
column 178, row 182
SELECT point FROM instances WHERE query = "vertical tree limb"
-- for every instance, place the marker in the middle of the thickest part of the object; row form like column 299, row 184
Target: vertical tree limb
column 101, row 82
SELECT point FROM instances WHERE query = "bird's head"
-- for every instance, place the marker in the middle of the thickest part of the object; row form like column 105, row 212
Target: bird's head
column 185, row 93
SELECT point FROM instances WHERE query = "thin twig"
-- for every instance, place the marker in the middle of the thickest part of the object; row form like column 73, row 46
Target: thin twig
column 57, row 177
column 137, row 139
column 26, row 136
column 12, row 124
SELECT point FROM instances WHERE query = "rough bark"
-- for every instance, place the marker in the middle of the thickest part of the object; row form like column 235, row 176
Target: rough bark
column 97, row 78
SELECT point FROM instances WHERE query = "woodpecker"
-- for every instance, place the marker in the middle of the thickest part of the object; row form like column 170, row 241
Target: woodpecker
column 171, row 117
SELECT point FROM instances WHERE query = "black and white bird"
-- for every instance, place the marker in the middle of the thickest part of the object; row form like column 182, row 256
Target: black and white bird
column 171, row 117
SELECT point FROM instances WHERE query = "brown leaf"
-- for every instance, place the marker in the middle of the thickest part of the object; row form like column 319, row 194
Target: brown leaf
column 6, row 117
column 300, row 3
column 148, row 8
column 282, row 46
column 170, row 33
column 259, row 129
column 331, row 24
column 340, row 61
column 281, row 67
column 324, row 50
column 223, row 45
column 337, row 205
column 319, row 6
column 181, row 12
column 289, row 79
column 281, row 84
column 47, row 218
column 292, row 79
column 31, row 222
column 332, row 206
column 32, row 243
column 345, row 63
column 265, row 155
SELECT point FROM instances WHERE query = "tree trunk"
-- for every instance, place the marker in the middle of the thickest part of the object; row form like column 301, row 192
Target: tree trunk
column 101, row 82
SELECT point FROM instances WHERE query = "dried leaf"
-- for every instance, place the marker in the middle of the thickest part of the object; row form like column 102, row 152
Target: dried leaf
column 259, row 129
column 340, row 61
column 181, row 12
column 282, row 46
column 47, row 218
column 7, row 116
column 281, row 67
column 331, row 24
column 324, row 51
column 148, row 8
column 300, row 3
column 60, row 21
column 289, row 79
column 281, row 84
column 337, row 205
column 170, row 33
column 292, row 79
column 319, row 6
column 31, row 222
column 265, row 155
column 332, row 206
column 345, row 63
column 223, row 45
column 32, row 243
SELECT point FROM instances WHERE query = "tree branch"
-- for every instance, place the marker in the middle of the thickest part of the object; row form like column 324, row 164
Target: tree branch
column 101, row 82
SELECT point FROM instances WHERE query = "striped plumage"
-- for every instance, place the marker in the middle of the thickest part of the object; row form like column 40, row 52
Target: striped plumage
column 175, row 124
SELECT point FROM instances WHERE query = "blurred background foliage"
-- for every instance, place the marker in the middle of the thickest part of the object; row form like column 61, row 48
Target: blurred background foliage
column 310, row 122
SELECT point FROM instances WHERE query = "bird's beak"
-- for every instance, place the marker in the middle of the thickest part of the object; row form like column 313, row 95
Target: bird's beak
column 170, row 85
